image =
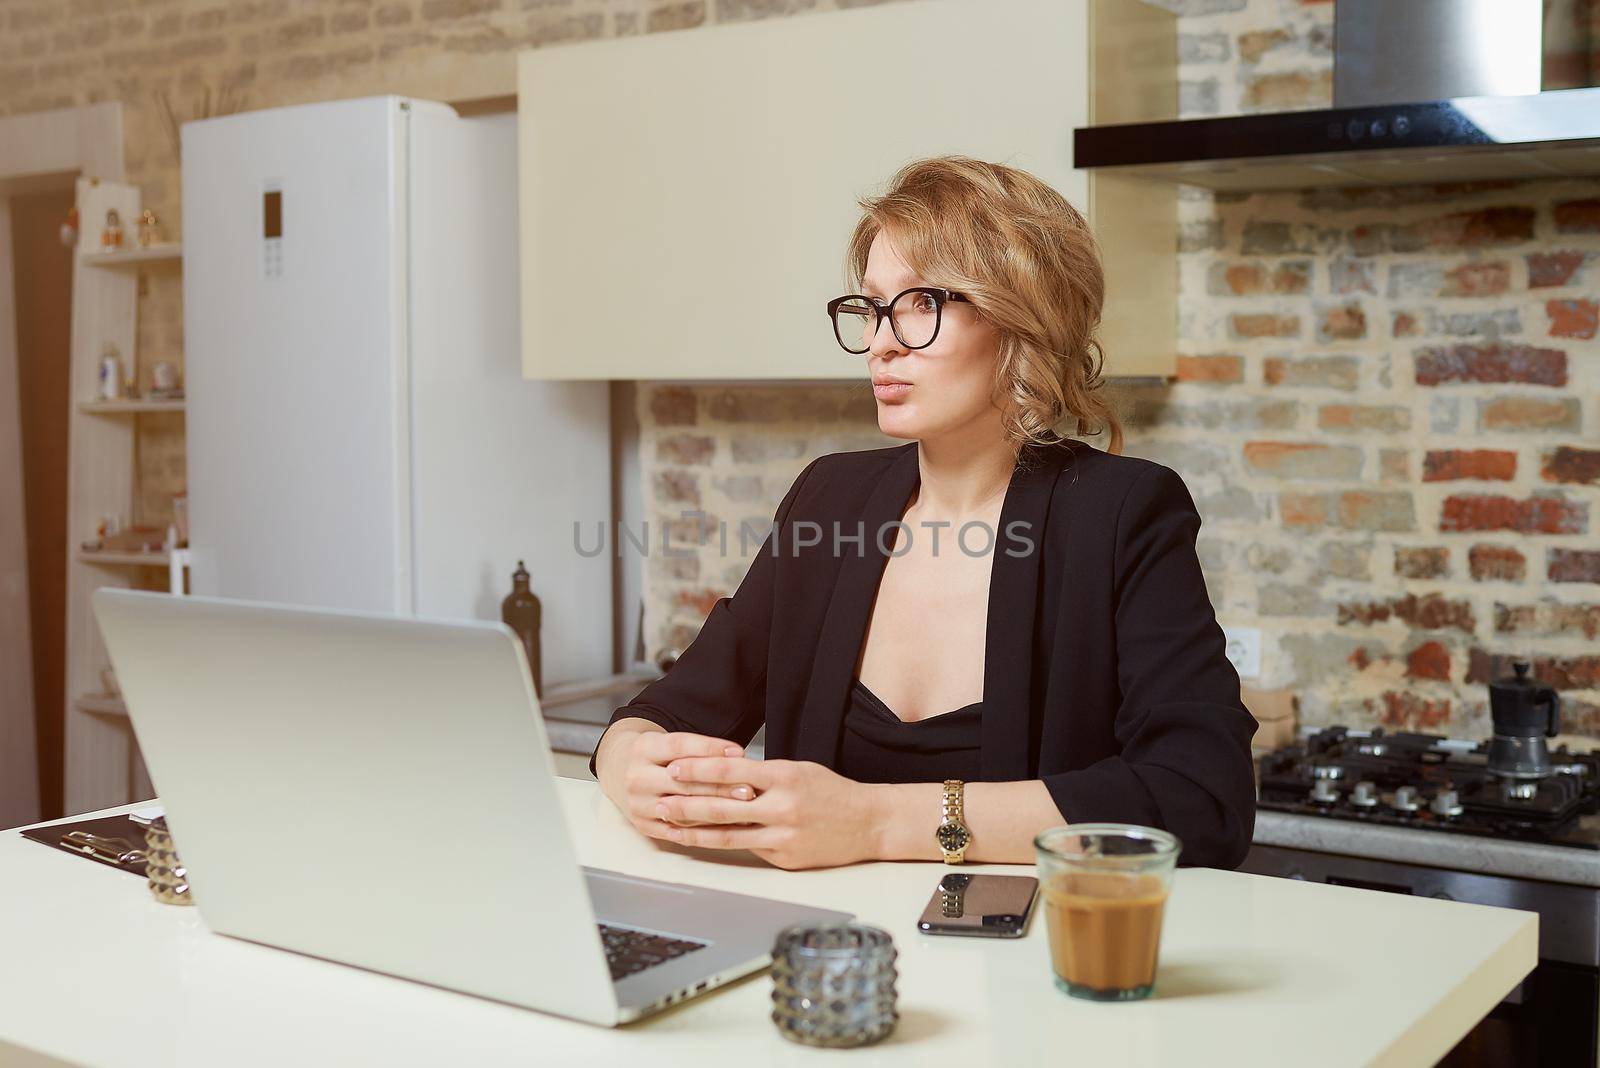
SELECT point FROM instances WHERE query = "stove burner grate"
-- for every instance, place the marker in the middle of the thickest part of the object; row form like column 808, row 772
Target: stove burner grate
column 1429, row 782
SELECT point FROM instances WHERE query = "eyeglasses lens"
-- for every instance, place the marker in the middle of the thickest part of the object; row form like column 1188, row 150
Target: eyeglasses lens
column 916, row 315
column 854, row 320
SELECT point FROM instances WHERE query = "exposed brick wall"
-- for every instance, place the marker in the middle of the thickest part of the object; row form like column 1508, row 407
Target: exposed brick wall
column 1387, row 404
column 715, row 462
column 1398, row 471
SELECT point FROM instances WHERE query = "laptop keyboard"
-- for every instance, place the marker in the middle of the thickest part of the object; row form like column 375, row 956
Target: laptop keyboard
column 629, row 951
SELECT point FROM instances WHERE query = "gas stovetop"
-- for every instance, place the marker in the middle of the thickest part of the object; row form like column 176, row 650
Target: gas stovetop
column 1428, row 782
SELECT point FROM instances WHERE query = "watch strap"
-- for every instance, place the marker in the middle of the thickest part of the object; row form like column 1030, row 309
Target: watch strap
column 952, row 812
column 952, row 808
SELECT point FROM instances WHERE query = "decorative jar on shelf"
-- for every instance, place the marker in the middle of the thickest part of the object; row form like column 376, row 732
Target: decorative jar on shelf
column 149, row 229
column 111, row 236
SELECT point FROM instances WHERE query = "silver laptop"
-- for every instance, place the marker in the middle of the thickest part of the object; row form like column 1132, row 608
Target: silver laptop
column 379, row 791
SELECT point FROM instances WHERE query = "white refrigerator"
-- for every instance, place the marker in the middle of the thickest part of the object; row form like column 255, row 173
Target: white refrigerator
column 359, row 432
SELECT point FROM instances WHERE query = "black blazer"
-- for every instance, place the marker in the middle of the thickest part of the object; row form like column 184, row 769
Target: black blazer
column 1104, row 670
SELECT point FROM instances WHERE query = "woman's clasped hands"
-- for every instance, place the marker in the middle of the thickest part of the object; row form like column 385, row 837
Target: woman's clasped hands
column 694, row 790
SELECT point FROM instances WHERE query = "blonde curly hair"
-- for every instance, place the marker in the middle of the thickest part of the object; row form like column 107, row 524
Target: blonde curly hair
column 1030, row 265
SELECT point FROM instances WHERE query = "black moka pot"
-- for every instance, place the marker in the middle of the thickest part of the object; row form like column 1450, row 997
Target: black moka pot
column 1525, row 713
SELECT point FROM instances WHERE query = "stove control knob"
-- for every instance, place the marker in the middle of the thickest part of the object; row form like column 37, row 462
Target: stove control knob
column 1405, row 799
column 1365, row 794
column 1446, row 803
column 1522, row 789
column 1325, row 792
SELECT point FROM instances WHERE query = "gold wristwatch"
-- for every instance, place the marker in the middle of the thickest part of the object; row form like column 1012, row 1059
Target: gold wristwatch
column 952, row 835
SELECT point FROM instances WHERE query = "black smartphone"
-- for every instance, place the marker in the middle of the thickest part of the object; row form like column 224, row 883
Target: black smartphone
column 987, row 906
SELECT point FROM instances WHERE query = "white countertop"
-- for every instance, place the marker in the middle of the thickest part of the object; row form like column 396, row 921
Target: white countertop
column 94, row 971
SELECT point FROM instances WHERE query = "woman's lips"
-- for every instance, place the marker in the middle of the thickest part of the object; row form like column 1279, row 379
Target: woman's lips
column 890, row 390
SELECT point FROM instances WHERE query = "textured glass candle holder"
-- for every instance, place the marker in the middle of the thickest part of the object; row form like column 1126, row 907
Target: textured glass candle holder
column 833, row 985
column 169, row 880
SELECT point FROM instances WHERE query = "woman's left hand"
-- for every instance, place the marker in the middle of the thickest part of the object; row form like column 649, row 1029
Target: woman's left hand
column 804, row 815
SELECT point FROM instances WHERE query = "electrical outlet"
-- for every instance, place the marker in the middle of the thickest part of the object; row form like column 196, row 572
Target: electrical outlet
column 1244, row 650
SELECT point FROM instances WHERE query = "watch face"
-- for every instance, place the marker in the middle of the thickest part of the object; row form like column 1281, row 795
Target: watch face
column 953, row 837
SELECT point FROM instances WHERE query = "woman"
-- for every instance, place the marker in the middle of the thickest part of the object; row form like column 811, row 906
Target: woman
column 929, row 690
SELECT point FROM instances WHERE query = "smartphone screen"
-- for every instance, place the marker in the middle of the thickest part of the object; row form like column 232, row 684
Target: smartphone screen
column 988, row 906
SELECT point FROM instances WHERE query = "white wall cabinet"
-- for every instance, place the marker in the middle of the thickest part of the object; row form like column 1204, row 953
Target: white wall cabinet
column 686, row 197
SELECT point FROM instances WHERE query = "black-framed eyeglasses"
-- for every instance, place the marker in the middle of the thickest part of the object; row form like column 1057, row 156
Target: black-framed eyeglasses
column 914, row 317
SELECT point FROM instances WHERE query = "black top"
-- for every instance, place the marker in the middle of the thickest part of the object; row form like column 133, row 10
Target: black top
column 879, row 746
column 1105, row 673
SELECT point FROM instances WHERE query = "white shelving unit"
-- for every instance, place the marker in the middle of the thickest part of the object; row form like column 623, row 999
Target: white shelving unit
column 168, row 252
column 103, row 766
column 112, row 558
column 101, row 704
column 131, row 407
column 176, row 561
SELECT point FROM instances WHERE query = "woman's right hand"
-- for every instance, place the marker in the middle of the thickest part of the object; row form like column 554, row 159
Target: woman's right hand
column 632, row 767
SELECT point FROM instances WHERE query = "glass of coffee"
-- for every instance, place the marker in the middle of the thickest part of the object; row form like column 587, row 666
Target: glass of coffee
column 1104, row 886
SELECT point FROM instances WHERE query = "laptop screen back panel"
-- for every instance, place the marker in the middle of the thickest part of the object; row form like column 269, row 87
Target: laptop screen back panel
column 370, row 790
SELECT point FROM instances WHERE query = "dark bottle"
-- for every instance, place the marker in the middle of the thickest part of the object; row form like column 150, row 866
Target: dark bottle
column 520, row 611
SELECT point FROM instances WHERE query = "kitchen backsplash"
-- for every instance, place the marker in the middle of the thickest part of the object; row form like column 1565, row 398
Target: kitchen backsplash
column 1388, row 405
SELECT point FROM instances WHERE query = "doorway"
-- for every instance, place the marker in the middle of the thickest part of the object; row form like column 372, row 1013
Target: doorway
column 42, row 152
column 42, row 284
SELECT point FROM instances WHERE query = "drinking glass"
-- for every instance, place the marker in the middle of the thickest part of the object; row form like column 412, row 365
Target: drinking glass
column 1105, row 887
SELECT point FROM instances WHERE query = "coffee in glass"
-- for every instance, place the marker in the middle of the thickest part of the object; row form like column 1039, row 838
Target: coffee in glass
column 1104, row 888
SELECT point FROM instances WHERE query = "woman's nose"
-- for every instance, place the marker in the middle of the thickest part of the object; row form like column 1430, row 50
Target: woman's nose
column 884, row 342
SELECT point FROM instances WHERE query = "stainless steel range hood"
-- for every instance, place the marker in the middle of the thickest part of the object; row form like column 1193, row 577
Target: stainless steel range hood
column 1424, row 91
